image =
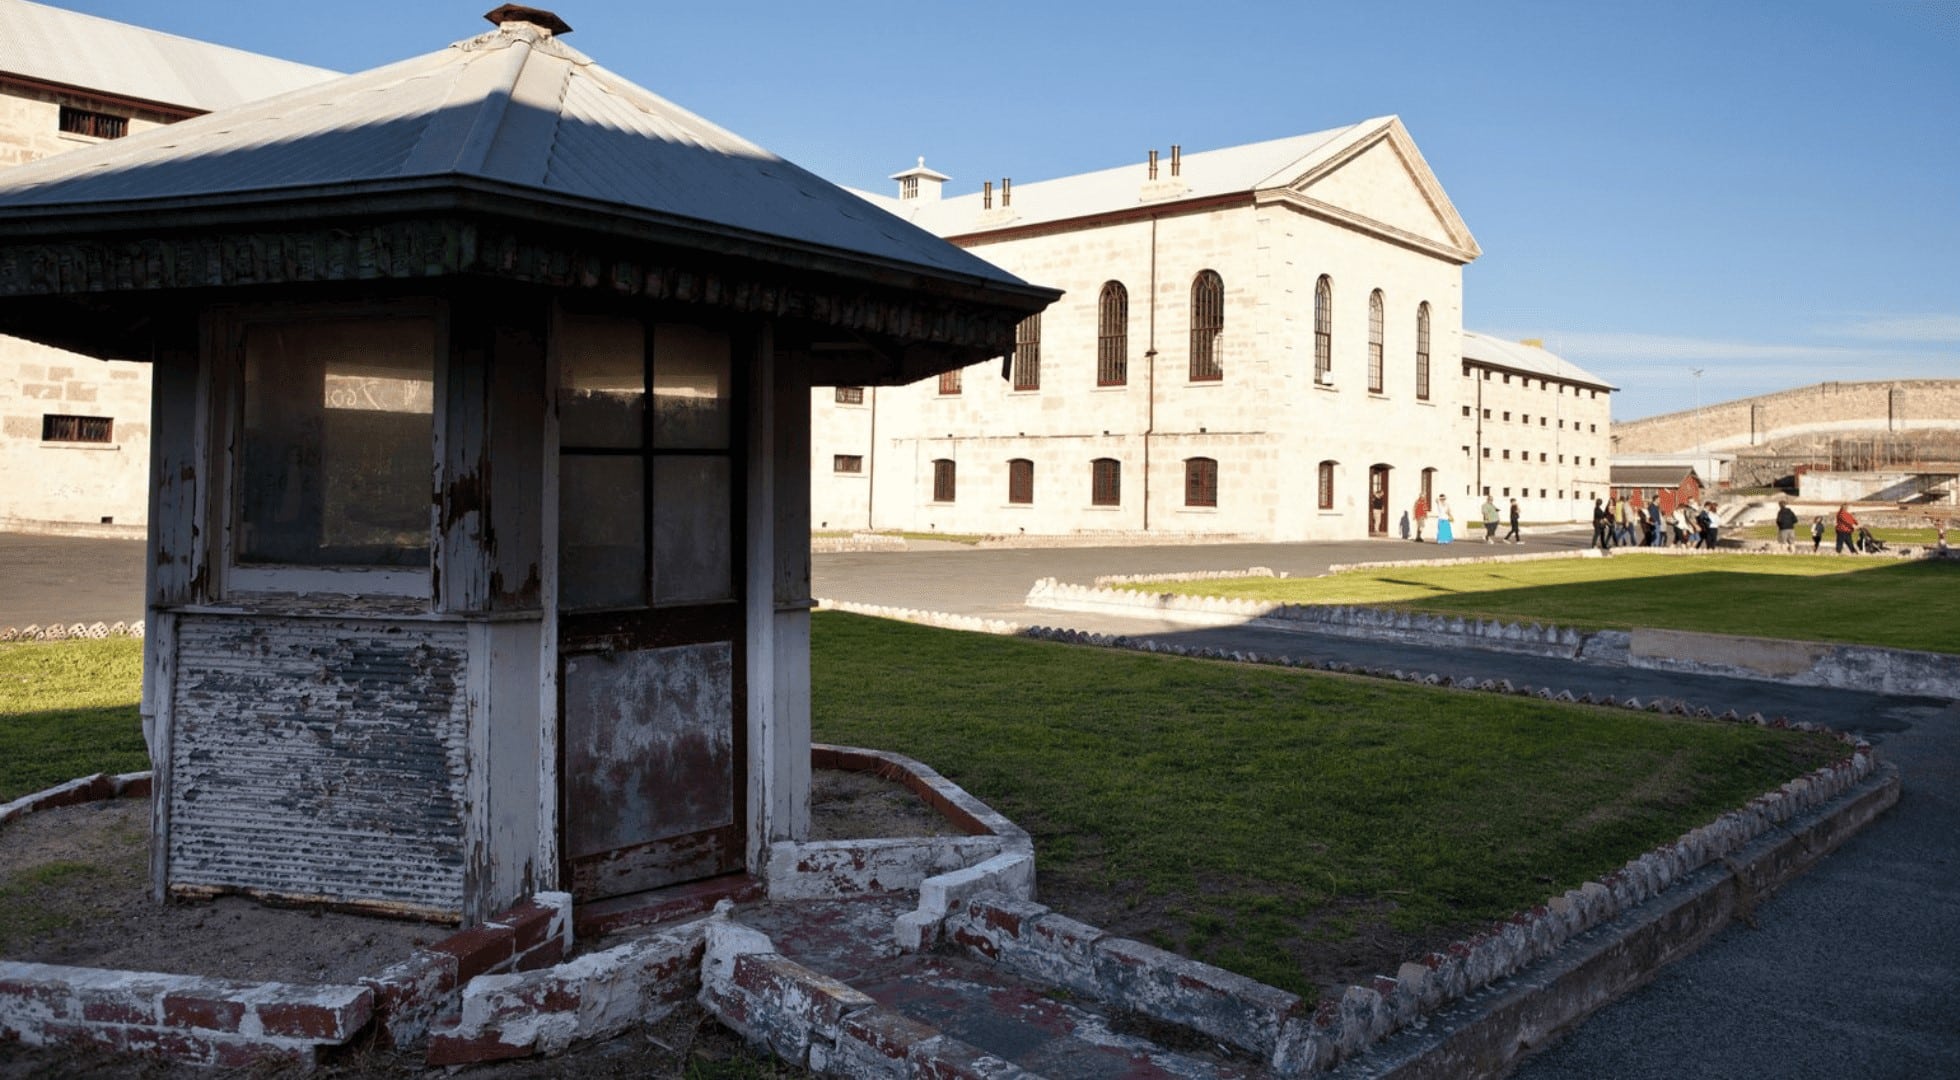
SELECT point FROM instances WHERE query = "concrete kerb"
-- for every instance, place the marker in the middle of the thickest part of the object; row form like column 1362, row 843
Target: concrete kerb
column 1802, row 663
column 66, row 631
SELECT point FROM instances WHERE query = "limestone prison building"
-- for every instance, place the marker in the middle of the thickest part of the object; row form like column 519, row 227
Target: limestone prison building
column 1263, row 342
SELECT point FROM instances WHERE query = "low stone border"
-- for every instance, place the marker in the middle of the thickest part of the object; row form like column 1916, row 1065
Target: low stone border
column 837, row 869
column 1803, row 663
column 63, row 632
column 819, row 1023
column 1106, row 580
column 84, row 789
column 940, row 619
column 1749, row 852
column 183, row 1018
column 857, row 542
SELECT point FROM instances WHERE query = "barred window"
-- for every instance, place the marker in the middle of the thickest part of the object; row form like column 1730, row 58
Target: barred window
column 1207, row 323
column 93, row 124
column 1027, row 354
column 942, row 480
column 1113, row 336
column 847, row 463
column 1422, row 351
column 1200, row 482
column 949, row 382
column 88, row 429
column 850, row 395
column 1375, row 342
column 1020, row 481
column 1106, row 482
column 1327, row 485
column 1323, row 330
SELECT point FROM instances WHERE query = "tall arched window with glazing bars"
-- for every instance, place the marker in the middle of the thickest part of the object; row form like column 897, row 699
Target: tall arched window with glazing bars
column 1207, row 323
column 1323, row 329
column 1422, row 351
column 1375, row 342
column 1113, row 336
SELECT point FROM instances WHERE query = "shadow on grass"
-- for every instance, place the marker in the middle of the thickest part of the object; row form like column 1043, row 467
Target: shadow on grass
column 41, row 749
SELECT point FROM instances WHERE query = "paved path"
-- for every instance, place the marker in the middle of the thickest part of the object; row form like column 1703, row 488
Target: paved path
column 1853, row 970
column 68, row 579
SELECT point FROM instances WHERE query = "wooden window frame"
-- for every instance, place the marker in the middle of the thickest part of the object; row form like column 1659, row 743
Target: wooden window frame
column 1027, row 354
column 851, row 464
column 1422, row 351
column 850, row 395
column 67, row 428
column 945, row 480
column 1325, row 484
column 949, row 383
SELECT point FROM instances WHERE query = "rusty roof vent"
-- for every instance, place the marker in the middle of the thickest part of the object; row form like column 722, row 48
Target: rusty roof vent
column 538, row 17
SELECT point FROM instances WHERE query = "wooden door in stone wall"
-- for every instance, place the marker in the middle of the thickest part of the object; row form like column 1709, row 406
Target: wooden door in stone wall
column 651, row 710
column 1378, row 500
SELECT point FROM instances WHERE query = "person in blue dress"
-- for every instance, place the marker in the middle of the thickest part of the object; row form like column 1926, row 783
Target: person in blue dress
column 1445, row 520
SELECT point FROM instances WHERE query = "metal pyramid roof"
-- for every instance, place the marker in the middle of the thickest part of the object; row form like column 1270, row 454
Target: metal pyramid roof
column 514, row 110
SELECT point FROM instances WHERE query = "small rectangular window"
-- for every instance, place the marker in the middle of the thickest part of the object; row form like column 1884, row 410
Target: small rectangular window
column 1201, row 482
column 83, row 429
column 1027, row 354
column 93, row 124
column 942, row 481
column 1507, row 415
column 847, row 463
column 1326, row 485
column 949, row 382
column 1466, row 410
column 850, row 395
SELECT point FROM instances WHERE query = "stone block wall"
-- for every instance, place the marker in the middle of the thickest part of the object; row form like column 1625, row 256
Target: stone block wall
column 70, row 486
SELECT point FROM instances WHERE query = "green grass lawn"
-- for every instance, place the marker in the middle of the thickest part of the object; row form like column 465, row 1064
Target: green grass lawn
column 1254, row 810
column 68, row 709
column 1253, row 817
column 1902, row 605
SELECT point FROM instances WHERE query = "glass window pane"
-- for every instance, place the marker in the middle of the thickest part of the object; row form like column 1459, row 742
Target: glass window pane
column 690, row 388
column 337, row 448
column 601, row 539
column 691, row 557
column 601, row 382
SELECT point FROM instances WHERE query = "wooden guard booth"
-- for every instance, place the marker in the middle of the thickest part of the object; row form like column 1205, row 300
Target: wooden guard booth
column 479, row 540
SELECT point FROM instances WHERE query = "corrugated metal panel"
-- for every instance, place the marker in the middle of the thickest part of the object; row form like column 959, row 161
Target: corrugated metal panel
column 67, row 47
column 1521, row 357
column 512, row 106
column 320, row 758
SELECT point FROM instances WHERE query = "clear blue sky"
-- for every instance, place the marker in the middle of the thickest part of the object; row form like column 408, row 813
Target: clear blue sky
column 1768, row 192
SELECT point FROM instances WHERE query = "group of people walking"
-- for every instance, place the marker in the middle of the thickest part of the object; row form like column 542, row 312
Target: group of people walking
column 1446, row 521
column 1618, row 523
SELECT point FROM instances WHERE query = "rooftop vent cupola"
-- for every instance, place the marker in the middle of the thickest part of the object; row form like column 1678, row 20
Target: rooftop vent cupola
column 919, row 184
column 538, row 17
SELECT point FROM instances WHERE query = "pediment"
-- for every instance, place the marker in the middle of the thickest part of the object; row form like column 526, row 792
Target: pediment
column 1381, row 180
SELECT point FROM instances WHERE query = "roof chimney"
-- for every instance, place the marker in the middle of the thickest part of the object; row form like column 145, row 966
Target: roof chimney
column 1006, row 192
column 1177, row 152
column 1153, row 165
column 538, row 17
column 919, row 184
column 987, row 195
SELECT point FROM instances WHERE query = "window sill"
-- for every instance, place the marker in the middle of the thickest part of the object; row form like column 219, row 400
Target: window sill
column 1197, row 510
column 69, row 444
column 1204, row 383
column 1330, row 387
column 1112, row 388
column 1099, row 508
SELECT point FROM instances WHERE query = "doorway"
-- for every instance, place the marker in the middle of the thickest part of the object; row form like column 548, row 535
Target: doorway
column 1378, row 500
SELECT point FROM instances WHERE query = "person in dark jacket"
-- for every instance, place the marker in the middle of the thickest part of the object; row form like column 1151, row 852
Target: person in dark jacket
column 1786, row 525
column 1602, row 526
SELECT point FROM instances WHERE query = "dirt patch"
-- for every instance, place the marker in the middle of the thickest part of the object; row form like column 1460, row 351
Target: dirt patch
column 74, row 890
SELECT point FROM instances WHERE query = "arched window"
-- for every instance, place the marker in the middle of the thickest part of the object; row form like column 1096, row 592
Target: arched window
column 1106, row 482
column 1323, row 330
column 1200, row 481
column 1327, row 485
column 1020, row 481
column 1027, row 353
column 1207, row 323
column 1422, row 351
column 1375, row 342
column 1113, row 336
column 942, row 480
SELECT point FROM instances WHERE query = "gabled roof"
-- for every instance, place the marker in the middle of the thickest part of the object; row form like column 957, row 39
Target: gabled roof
column 1278, row 170
column 1652, row 475
column 514, row 111
column 1526, row 359
column 50, row 45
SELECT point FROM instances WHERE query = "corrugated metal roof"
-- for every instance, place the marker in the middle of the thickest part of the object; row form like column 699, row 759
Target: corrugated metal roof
column 49, row 44
column 1233, row 169
column 516, row 106
column 1527, row 358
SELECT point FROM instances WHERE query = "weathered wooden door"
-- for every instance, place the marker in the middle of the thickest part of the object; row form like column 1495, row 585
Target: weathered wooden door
column 651, row 717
